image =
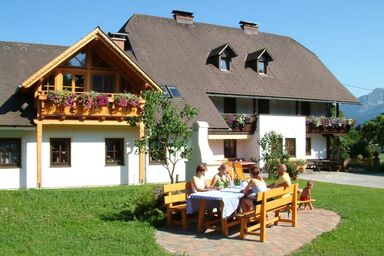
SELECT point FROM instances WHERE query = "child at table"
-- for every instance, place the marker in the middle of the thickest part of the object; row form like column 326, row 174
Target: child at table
column 255, row 185
column 306, row 196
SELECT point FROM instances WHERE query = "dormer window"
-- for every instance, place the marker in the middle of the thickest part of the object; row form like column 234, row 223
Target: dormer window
column 222, row 56
column 224, row 63
column 259, row 61
column 261, row 67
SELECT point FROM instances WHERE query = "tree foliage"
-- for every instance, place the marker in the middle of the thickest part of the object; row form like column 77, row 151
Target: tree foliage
column 167, row 130
column 373, row 130
column 272, row 150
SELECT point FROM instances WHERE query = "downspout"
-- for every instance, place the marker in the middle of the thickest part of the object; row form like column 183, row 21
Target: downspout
column 39, row 140
column 141, row 157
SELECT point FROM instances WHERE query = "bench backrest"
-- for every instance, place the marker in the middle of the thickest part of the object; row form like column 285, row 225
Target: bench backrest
column 177, row 192
column 276, row 198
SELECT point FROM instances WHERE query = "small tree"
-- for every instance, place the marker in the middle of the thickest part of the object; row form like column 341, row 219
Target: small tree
column 373, row 130
column 167, row 131
column 272, row 150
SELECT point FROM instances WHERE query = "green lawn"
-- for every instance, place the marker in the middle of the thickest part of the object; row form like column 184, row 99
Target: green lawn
column 361, row 230
column 93, row 221
column 74, row 222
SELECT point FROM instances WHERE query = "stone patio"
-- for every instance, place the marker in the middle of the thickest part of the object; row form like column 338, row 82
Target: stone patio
column 281, row 239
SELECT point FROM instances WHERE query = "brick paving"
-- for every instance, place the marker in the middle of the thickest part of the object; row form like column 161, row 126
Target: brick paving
column 281, row 240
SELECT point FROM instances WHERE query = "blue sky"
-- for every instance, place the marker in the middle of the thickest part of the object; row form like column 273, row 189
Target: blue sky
column 347, row 35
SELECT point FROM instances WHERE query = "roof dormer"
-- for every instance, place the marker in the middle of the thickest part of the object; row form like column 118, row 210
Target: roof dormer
column 221, row 57
column 259, row 60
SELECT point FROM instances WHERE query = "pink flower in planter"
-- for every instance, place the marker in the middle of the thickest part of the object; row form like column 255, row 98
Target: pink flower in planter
column 102, row 100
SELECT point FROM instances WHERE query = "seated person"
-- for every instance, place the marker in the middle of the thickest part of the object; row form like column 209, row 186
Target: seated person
column 255, row 185
column 222, row 179
column 283, row 179
column 306, row 196
column 199, row 183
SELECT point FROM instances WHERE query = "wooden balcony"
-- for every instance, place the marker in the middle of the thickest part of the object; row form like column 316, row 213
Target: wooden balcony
column 329, row 125
column 48, row 109
column 244, row 123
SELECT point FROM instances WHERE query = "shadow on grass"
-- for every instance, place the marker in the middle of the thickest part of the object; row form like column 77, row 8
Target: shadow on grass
column 148, row 212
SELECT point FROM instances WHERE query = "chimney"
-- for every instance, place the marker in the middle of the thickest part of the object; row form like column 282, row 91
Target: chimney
column 249, row 27
column 183, row 17
column 119, row 39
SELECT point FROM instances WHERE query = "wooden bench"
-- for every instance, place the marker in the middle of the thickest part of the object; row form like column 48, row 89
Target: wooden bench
column 275, row 200
column 175, row 200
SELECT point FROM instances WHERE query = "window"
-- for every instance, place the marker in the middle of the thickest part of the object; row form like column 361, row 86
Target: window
column 290, row 146
column 103, row 83
column 224, row 63
column 230, row 149
column 263, row 106
column 229, row 105
column 60, row 151
column 77, row 61
column 73, row 82
column 170, row 91
column 49, row 83
column 261, row 67
column 174, row 91
column 305, row 108
column 259, row 60
column 308, row 147
column 10, row 152
column 114, row 151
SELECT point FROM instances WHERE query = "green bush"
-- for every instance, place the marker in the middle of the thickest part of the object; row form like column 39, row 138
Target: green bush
column 362, row 148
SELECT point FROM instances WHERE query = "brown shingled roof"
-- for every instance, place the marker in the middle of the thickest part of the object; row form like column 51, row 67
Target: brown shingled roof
column 17, row 62
column 175, row 54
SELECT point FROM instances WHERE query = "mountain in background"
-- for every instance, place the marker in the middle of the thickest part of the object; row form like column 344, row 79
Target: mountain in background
column 372, row 106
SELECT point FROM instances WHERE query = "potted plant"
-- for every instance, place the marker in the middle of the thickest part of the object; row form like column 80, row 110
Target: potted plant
column 292, row 169
column 92, row 100
column 126, row 100
column 63, row 98
column 301, row 165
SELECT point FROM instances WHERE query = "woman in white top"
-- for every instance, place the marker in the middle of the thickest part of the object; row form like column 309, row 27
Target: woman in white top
column 199, row 183
column 255, row 185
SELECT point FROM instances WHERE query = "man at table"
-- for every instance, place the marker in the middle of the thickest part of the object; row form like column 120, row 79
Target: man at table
column 283, row 179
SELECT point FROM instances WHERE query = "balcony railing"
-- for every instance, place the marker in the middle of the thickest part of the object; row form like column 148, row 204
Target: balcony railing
column 87, row 105
column 328, row 125
column 241, row 122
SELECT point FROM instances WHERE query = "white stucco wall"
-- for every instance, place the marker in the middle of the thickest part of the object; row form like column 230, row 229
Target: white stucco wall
column 288, row 126
column 88, row 157
column 156, row 173
column 25, row 176
column 319, row 146
column 217, row 147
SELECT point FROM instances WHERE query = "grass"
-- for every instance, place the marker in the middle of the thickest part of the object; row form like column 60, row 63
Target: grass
column 90, row 222
column 360, row 231
column 74, row 222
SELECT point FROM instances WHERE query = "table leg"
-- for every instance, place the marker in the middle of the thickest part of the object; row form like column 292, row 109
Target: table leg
column 224, row 221
column 201, row 220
